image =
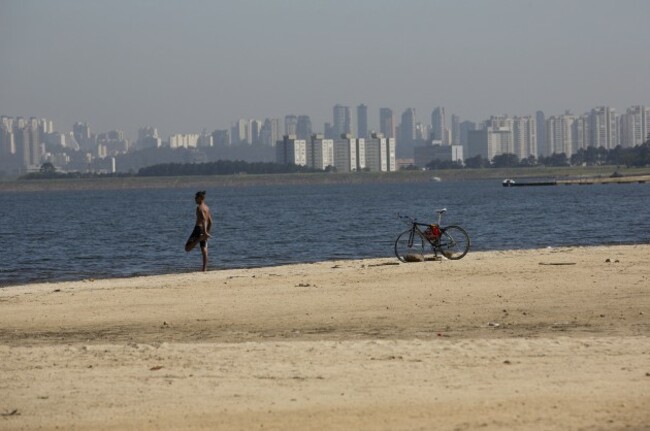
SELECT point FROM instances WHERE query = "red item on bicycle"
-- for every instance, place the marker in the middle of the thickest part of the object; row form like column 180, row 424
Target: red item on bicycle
column 432, row 232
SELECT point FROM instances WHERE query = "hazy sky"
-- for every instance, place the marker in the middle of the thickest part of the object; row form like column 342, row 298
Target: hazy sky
column 183, row 66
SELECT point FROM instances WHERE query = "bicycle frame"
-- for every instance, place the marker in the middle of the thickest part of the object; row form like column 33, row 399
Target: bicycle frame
column 442, row 239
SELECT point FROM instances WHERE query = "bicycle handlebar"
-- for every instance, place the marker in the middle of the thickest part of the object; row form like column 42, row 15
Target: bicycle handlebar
column 405, row 218
column 410, row 220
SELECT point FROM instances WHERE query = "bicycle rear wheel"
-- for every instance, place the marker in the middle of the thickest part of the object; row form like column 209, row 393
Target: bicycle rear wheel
column 409, row 246
column 454, row 242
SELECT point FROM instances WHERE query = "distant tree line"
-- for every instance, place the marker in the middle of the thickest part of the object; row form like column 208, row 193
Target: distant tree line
column 638, row 156
column 221, row 167
column 48, row 171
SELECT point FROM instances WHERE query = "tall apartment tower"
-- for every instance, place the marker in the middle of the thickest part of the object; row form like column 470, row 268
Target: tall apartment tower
column 303, row 127
column 7, row 140
column 380, row 153
column 580, row 133
column 439, row 126
column 362, row 121
column 603, row 128
column 455, row 130
column 81, row 133
column 291, row 150
column 525, row 137
column 270, row 132
column 346, row 154
column 387, row 122
column 559, row 135
column 342, row 121
column 635, row 126
column 320, row 152
column 540, row 119
column 256, row 130
column 407, row 127
column 240, row 132
column 290, row 125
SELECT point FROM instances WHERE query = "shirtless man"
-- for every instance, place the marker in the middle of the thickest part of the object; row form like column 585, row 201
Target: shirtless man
column 202, row 228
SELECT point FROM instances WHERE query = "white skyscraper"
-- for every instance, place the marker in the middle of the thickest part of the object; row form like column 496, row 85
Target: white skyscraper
column 603, row 128
column 559, row 135
column 635, row 126
column 580, row 133
column 525, row 136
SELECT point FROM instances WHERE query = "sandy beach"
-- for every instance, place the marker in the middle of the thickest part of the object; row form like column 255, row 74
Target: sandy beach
column 552, row 339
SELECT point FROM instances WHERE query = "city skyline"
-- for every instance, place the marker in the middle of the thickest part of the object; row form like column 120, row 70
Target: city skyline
column 187, row 66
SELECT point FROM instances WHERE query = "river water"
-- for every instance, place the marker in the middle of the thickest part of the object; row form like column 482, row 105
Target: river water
column 72, row 235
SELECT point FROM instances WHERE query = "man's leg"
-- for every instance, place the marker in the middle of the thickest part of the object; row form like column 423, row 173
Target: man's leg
column 204, row 253
column 191, row 243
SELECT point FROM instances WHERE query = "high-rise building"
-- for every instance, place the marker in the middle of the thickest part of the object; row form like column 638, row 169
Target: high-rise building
column 499, row 141
column 240, row 132
column 290, row 125
column 580, row 133
column 362, row 121
column 380, row 154
column 205, row 140
column 256, row 129
column 221, row 137
column 346, row 154
column 303, row 127
column 603, row 128
column 455, row 129
column 270, row 132
column 559, row 135
column 406, row 140
column 7, row 139
column 387, row 122
column 184, row 141
column 525, row 137
column 320, row 152
column 342, row 120
column 148, row 138
column 439, row 126
column 291, row 150
column 82, row 135
column 542, row 145
column 635, row 126
column 422, row 132
column 495, row 138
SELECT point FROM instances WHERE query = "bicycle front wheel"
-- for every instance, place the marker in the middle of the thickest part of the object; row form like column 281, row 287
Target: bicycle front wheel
column 409, row 246
column 454, row 242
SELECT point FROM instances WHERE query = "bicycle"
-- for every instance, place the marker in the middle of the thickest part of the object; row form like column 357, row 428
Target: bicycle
column 450, row 241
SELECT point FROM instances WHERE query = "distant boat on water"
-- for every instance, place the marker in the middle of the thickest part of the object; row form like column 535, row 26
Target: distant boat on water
column 508, row 182
column 436, row 179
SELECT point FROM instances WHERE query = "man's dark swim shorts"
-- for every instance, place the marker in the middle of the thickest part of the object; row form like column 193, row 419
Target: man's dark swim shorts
column 196, row 234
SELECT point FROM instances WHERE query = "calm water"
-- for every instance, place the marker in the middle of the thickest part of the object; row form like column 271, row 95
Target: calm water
column 93, row 234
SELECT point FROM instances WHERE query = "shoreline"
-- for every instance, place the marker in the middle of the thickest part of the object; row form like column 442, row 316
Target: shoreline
column 251, row 180
column 383, row 260
column 547, row 339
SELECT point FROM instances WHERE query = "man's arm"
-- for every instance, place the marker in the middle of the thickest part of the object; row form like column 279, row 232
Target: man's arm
column 208, row 221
